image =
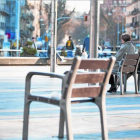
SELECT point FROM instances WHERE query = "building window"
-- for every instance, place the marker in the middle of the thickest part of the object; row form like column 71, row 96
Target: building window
column 115, row 3
column 124, row 9
column 120, row 2
column 124, row 2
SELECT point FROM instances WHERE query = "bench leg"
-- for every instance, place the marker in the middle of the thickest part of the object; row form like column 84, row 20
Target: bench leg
column 61, row 123
column 102, row 108
column 26, row 121
column 136, row 84
column 121, row 84
column 125, row 82
column 68, row 121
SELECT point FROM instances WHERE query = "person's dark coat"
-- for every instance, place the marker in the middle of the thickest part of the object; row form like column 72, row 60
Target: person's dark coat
column 69, row 45
column 86, row 44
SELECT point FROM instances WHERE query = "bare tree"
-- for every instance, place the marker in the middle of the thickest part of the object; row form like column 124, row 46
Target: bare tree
column 109, row 20
column 61, row 12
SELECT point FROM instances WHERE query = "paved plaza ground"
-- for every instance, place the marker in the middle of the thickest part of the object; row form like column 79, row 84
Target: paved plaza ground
column 123, row 111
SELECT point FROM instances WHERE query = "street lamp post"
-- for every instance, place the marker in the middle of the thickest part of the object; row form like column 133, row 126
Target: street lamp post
column 18, row 25
column 53, row 28
column 53, row 35
column 94, row 30
column 94, row 27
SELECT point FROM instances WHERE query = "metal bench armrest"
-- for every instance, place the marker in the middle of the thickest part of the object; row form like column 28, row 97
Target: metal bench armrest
column 30, row 74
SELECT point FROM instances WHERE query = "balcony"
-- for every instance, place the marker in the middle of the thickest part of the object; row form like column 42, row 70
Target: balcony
column 5, row 9
column 135, row 11
column 135, row 24
column 128, row 25
column 2, row 25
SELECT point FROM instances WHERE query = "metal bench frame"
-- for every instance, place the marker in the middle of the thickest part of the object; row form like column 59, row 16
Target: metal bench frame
column 127, row 65
column 93, row 91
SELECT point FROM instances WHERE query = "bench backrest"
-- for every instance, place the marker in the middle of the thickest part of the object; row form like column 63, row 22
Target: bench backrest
column 89, row 83
column 129, row 63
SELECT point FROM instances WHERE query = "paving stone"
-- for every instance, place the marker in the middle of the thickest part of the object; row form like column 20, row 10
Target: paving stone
column 123, row 111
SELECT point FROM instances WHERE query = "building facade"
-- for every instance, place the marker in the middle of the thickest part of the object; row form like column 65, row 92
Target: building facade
column 26, row 23
column 4, row 13
column 9, row 25
column 133, row 21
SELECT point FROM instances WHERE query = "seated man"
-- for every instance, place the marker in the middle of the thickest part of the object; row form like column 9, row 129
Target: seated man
column 126, row 47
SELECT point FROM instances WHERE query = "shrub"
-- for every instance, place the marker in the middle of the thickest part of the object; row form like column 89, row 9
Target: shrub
column 29, row 43
column 28, row 51
column 63, row 53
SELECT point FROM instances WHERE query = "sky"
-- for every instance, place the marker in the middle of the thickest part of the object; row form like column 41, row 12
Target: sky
column 80, row 5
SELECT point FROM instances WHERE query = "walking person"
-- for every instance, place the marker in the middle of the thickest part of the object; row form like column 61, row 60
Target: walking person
column 70, row 47
column 86, row 45
column 126, row 47
column 34, row 44
column 69, row 44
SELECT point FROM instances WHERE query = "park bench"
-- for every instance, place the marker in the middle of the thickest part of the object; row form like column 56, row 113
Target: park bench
column 127, row 66
column 138, row 72
column 79, row 85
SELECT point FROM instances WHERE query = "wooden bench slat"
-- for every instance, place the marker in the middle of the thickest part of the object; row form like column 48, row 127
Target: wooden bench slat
column 90, row 77
column 86, row 92
column 130, row 62
column 87, row 64
column 128, row 69
column 132, row 56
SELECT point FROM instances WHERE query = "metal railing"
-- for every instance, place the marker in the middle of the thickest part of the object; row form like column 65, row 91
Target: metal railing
column 100, row 53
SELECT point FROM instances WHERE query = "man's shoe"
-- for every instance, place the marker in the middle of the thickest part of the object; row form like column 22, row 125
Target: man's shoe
column 112, row 89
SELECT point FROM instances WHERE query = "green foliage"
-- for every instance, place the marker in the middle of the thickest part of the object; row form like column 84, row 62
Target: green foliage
column 63, row 53
column 29, row 42
column 28, row 51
